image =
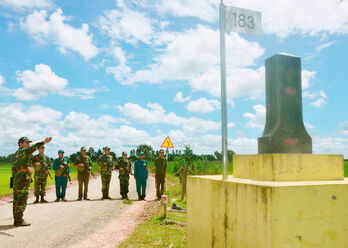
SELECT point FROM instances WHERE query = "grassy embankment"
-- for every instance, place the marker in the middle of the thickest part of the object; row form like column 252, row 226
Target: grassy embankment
column 5, row 174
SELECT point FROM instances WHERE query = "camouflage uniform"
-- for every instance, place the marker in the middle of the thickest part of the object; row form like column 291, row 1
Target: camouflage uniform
column 161, row 169
column 22, row 180
column 124, row 176
column 83, row 174
column 40, row 177
column 105, row 171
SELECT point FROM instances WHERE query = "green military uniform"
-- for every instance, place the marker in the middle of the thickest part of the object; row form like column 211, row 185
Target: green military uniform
column 40, row 177
column 124, row 176
column 83, row 175
column 161, row 169
column 106, row 164
column 21, row 179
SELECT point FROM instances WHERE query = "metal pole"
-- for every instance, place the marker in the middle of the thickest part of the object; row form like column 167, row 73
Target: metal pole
column 223, row 91
column 167, row 152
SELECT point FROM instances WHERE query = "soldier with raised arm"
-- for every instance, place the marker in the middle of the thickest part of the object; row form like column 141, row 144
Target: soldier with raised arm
column 22, row 176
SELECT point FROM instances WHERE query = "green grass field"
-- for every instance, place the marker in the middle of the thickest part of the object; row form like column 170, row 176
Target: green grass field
column 5, row 174
column 152, row 233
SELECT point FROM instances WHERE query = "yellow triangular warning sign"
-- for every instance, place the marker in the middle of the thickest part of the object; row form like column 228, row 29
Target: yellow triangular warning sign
column 167, row 143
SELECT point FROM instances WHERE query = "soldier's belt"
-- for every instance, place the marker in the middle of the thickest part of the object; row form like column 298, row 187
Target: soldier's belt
column 22, row 170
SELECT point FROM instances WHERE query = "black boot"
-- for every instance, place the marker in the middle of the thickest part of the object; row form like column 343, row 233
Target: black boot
column 20, row 223
column 37, row 200
column 43, row 199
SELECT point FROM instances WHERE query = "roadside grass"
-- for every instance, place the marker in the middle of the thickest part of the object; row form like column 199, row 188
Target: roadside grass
column 153, row 232
column 345, row 168
column 5, row 174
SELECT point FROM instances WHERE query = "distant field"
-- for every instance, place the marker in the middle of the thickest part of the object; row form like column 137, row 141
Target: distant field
column 210, row 168
column 5, row 174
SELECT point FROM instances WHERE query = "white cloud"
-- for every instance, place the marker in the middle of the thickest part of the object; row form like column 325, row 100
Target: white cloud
column 43, row 81
column 206, row 10
column 308, row 126
column 155, row 113
column 39, row 82
column 21, row 5
column 318, row 103
column 280, row 17
column 122, row 70
column 207, row 144
column 325, row 45
column 344, row 127
column 240, row 82
column 127, row 24
column 2, row 80
column 322, row 94
column 307, row 76
column 321, row 101
column 179, row 97
column 55, row 30
column 186, row 57
column 203, row 105
column 257, row 119
column 311, row 17
column 69, row 132
column 231, row 124
column 330, row 145
column 82, row 93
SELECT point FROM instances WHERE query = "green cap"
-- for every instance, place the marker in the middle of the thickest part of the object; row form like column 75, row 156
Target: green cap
column 24, row 139
column 60, row 151
column 162, row 150
column 106, row 148
column 124, row 153
column 141, row 153
column 83, row 148
column 42, row 147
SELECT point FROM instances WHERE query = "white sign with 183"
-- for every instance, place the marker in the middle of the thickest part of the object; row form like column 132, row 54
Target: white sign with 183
column 243, row 20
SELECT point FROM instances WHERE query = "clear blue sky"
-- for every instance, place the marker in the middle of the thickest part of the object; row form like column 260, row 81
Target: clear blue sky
column 121, row 73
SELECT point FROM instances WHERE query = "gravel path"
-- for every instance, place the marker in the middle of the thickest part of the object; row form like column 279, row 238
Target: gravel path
column 73, row 223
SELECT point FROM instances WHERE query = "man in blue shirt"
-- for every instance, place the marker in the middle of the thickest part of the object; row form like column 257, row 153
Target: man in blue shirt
column 141, row 171
column 62, row 171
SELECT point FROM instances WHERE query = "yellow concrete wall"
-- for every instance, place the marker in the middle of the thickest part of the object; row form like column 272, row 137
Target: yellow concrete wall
column 242, row 213
column 289, row 167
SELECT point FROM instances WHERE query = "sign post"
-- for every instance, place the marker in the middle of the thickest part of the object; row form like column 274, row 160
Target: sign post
column 167, row 143
column 234, row 20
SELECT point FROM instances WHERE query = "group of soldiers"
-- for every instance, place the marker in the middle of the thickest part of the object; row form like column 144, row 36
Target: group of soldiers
column 25, row 163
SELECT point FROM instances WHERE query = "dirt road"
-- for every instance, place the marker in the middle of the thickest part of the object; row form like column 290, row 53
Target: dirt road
column 93, row 223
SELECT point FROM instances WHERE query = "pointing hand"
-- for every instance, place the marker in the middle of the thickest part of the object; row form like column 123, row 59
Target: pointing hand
column 48, row 140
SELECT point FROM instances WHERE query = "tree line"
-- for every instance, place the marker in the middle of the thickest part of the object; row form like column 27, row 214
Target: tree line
column 150, row 154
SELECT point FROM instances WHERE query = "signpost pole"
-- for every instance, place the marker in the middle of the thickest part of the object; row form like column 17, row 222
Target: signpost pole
column 167, row 152
column 223, row 91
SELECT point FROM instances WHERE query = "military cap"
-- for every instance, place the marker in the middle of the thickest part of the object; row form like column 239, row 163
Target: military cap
column 124, row 153
column 106, row 148
column 162, row 150
column 23, row 139
column 43, row 146
column 83, row 148
column 141, row 153
column 60, row 151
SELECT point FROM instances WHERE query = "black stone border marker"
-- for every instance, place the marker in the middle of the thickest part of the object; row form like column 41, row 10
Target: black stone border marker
column 284, row 129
